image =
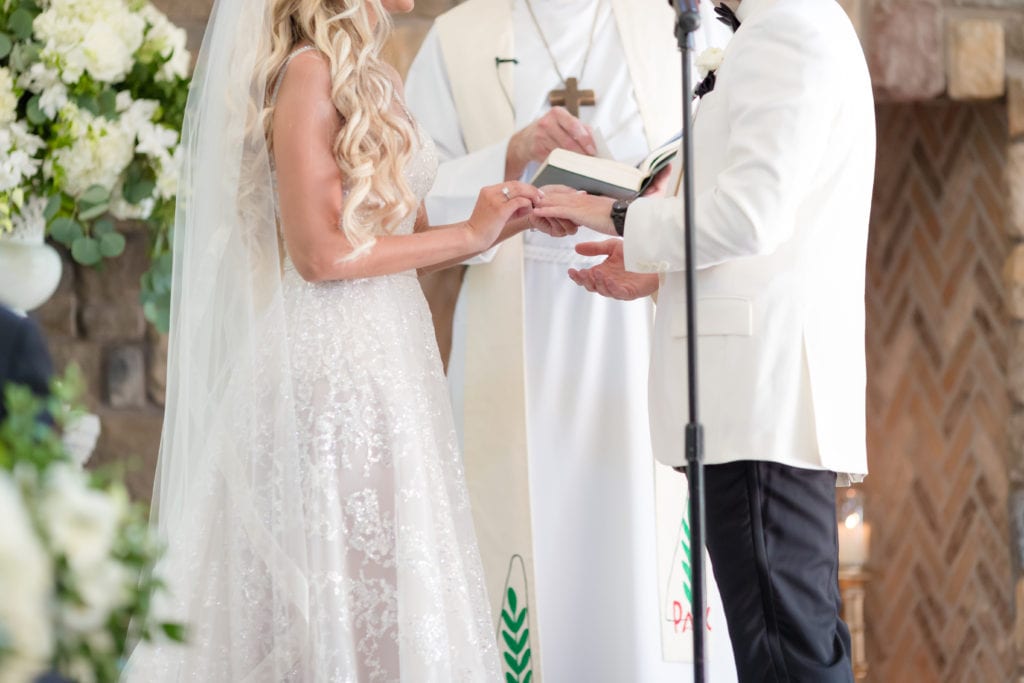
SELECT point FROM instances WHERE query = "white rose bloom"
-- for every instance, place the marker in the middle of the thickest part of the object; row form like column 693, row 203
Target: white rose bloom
column 109, row 59
column 709, row 60
column 26, row 587
column 81, row 521
column 103, row 588
column 8, row 98
column 95, row 36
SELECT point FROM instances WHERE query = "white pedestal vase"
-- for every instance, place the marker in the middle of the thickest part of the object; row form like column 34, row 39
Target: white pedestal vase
column 30, row 269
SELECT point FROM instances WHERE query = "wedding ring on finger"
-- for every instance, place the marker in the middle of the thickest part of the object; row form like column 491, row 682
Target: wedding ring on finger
column 506, row 193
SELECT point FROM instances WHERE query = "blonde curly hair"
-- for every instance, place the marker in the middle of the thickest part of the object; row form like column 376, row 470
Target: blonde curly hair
column 376, row 137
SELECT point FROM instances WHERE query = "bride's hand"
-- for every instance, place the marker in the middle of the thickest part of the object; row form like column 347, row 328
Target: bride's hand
column 495, row 206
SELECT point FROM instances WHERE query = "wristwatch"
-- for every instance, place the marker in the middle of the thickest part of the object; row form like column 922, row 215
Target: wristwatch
column 619, row 215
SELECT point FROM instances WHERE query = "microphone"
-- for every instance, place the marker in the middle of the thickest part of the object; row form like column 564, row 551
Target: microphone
column 688, row 19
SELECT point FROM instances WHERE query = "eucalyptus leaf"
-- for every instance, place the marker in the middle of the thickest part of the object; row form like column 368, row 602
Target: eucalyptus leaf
column 86, row 251
column 112, row 244
column 94, row 211
column 95, row 194
column 52, row 207
column 100, row 228
column 66, row 230
column 23, row 55
column 135, row 192
column 35, row 115
column 20, row 23
column 5, row 45
column 90, row 104
column 108, row 103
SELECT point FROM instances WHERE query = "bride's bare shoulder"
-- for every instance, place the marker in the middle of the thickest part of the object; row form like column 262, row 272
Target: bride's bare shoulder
column 305, row 90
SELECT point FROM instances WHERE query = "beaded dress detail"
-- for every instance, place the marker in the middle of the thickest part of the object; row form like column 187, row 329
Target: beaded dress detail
column 394, row 565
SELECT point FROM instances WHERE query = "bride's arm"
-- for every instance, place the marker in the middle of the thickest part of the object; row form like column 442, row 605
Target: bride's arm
column 513, row 227
column 310, row 183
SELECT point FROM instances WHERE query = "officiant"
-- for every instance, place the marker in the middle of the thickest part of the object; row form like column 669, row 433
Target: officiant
column 784, row 152
column 554, row 426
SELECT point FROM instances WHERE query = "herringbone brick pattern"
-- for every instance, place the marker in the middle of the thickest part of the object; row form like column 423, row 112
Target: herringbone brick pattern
column 939, row 606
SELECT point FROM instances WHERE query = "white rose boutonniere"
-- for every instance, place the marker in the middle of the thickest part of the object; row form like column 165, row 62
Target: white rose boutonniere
column 709, row 61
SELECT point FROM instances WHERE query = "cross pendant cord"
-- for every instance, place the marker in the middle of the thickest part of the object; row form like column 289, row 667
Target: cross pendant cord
column 551, row 54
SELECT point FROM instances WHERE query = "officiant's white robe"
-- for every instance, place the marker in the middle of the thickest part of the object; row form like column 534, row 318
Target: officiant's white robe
column 591, row 477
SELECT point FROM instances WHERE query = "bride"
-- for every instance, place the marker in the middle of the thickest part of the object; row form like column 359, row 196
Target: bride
column 309, row 486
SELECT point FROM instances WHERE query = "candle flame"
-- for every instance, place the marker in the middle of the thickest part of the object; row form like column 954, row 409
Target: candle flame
column 852, row 520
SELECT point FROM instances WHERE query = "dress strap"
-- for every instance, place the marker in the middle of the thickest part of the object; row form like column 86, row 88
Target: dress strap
column 284, row 67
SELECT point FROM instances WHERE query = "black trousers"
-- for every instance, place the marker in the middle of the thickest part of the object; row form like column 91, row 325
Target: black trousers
column 771, row 534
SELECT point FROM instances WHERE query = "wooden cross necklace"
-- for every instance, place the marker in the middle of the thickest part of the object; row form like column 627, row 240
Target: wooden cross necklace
column 571, row 97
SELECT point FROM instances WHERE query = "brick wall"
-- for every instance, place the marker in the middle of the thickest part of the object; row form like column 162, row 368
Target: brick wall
column 940, row 601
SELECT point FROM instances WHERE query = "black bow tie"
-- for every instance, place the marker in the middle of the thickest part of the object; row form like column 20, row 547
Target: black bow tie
column 727, row 17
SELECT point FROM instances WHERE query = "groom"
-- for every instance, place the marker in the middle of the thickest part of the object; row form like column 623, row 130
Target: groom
column 784, row 151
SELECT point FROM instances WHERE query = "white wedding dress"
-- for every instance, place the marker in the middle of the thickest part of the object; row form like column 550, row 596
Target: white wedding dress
column 325, row 534
column 397, row 567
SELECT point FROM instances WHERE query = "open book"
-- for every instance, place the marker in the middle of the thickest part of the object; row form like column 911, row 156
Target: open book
column 605, row 177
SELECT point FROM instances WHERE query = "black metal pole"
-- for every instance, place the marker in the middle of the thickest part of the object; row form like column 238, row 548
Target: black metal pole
column 687, row 22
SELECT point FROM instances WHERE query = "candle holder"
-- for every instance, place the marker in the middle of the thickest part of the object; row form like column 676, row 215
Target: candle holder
column 854, row 547
column 853, row 587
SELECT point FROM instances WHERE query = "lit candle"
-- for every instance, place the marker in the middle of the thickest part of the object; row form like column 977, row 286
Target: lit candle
column 854, row 540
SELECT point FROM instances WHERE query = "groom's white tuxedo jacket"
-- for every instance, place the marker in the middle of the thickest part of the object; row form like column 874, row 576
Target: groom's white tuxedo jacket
column 784, row 152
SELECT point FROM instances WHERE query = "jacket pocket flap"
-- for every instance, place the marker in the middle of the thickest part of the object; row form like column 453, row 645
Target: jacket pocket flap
column 719, row 317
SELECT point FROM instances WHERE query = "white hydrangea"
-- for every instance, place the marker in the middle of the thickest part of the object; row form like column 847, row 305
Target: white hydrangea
column 154, row 141
column 8, row 98
column 168, row 41
column 26, row 588
column 45, row 81
column 167, row 174
column 81, row 522
column 99, row 37
column 18, row 150
column 100, row 153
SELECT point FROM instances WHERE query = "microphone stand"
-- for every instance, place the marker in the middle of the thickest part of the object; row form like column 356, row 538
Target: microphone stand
column 687, row 22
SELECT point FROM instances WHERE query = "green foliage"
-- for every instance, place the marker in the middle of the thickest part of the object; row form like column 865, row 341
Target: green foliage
column 30, row 448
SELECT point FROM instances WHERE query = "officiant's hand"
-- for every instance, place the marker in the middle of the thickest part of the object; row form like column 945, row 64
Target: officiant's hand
column 556, row 129
column 610, row 277
column 580, row 208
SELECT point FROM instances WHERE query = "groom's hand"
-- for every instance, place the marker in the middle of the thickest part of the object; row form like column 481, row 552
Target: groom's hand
column 610, row 277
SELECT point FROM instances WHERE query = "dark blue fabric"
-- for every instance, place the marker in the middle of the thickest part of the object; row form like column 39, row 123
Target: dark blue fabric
column 24, row 358
column 773, row 541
